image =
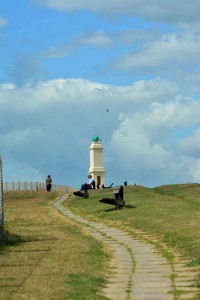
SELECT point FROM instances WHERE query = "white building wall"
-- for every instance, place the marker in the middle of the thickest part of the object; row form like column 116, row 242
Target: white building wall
column 96, row 163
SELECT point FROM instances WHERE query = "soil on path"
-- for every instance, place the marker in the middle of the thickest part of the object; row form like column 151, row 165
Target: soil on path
column 138, row 271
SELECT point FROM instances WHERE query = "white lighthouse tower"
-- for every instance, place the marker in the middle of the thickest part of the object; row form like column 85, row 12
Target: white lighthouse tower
column 96, row 162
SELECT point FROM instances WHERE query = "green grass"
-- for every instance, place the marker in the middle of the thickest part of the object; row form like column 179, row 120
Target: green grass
column 172, row 213
column 169, row 216
column 46, row 256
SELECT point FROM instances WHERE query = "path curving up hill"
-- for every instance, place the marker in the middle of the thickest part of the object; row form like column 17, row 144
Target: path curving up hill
column 137, row 271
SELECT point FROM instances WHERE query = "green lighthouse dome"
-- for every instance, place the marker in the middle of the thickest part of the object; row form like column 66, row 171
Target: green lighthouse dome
column 95, row 138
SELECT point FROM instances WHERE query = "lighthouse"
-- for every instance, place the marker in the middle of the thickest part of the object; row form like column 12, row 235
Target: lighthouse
column 96, row 161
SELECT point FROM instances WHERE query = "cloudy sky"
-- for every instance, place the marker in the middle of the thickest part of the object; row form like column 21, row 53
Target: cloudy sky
column 128, row 71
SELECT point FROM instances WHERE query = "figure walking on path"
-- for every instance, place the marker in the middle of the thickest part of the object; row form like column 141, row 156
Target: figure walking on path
column 48, row 183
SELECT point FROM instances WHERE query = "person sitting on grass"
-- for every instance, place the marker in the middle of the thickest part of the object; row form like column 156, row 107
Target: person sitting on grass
column 89, row 185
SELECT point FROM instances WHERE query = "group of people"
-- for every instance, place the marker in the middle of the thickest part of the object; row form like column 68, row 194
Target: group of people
column 90, row 184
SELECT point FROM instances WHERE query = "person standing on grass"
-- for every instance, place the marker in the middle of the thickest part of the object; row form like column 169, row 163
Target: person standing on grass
column 48, row 183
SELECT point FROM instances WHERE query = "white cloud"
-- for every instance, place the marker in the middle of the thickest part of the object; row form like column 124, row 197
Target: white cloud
column 102, row 39
column 3, row 22
column 76, row 91
column 161, row 11
column 145, row 146
column 190, row 146
column 48, row 127
column 98, row 39
column 168, row 53
column 194, row 169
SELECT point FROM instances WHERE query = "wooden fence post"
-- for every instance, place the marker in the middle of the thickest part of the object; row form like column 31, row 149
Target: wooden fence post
column 33, row 186
column 1, row 202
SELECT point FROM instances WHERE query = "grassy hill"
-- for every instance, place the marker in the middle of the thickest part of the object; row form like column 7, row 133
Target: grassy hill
column 171, row 212
column 168, row 216
column 44, row 246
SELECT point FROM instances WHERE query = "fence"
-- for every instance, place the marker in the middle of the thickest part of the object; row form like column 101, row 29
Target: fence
column 34, row 186
column 1, row 203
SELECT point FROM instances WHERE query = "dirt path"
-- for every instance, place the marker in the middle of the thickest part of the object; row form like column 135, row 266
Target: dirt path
column 138, row 270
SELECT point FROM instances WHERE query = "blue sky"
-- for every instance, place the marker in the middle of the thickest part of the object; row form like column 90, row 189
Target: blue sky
column 65, row 63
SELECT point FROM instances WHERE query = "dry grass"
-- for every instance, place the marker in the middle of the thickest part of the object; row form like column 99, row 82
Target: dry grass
column 46, row 256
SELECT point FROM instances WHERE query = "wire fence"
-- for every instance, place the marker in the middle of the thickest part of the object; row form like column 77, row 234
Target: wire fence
column 1, row 202
column 34, row 186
